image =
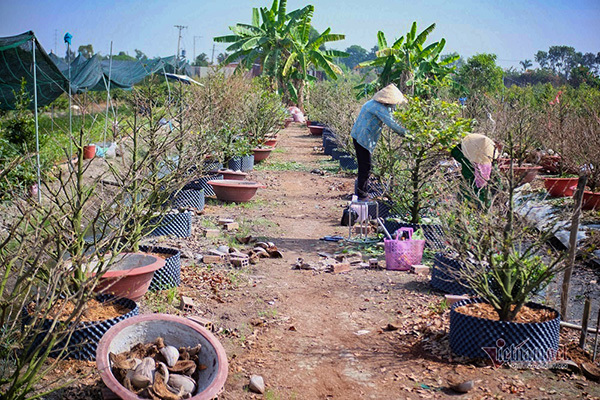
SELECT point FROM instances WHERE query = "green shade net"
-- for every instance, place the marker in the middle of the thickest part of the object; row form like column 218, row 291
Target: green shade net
column 16, row 63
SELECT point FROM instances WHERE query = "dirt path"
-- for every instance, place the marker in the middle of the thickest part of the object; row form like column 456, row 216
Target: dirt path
column 319, row 335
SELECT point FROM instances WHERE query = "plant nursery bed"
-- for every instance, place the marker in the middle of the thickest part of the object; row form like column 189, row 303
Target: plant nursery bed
column 525, row 314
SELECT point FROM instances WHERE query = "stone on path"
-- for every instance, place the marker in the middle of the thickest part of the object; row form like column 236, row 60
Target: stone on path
column 257, row 384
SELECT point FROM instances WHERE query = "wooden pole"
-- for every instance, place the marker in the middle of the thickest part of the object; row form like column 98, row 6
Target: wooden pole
column 564, row 295
column 587, row 307
column 37, row 135
column 596, row 339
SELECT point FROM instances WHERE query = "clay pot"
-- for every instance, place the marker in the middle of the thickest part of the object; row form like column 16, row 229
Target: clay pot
column 591, row 200
column 272, row 142
column 177, row 332
column 89, row 152
column 524, row 174
column 261, row 154
column 550, row 164
column 232, row 175
column 316, row 130
column 235, row 191
column 560, row 187
column 130, row 275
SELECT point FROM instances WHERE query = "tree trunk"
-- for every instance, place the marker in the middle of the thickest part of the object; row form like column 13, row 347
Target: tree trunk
column 416, row 195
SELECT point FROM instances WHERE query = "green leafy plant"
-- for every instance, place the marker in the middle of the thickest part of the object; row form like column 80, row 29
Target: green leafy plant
column 414, row 67
column 433, row 127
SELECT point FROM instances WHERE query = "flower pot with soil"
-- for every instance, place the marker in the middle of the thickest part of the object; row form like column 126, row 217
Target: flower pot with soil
column 591, row 200
column 550, row 164
column 235, row 191
column 168, row 276
column 531, row 338
column 444, row 275
column 100, row 314
column 175, row 223
column 175, row 331
column 231, row 175
column 130, row 275
column 523, row 174
column 89, row 152
column 261, row 154
column 247, row 163
column 271, row 142
column 202, row 183
column 348, row 163
column 188, row 198
column 315, row 130
column 560, row 187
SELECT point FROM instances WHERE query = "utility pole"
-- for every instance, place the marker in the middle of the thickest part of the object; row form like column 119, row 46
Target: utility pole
column 180, row 27
column 194, row 59
column 212, row 58
column 56, row 41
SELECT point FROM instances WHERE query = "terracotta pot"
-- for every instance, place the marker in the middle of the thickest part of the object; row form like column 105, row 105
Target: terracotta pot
column 130, row 275
column 261, row 154
column 550, row 163
column 523, row 174
column 176, row 331
column 271, row 142
column 560, row 187
column 232, row 175
column 591, row 200
column 316, row 130
column 89, row 152
column 235, row 191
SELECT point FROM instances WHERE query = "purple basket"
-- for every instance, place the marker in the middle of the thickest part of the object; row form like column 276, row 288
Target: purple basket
column 400, row 255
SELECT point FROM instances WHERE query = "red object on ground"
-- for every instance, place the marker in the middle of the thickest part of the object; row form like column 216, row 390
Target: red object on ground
column 560, row 187
column 89, row 152
column 271, row 142
column 523, row 174
column 130, row 276
column 261, row 154
column 176, row 331
column 591, row 200
column 316, row 129
column 235, row 191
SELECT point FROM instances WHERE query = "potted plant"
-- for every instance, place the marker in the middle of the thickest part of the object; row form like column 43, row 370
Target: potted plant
column 583, row 143
column 411, row 164
column 262, row 114
column 501, row 264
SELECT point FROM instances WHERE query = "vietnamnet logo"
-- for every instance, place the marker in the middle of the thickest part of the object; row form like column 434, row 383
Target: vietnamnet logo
column 521, row 355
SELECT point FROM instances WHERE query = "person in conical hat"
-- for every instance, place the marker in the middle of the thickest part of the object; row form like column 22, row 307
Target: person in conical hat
column 475, row 153
column 367, row 130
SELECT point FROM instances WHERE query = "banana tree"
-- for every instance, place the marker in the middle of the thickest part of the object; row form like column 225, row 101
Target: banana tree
column 306, row 53
column 266, row 40
column 415, row 69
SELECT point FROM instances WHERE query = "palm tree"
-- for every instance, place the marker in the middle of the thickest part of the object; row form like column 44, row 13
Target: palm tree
column 526, row 64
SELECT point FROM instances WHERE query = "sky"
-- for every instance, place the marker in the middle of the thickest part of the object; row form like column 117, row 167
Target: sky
column 513, row 30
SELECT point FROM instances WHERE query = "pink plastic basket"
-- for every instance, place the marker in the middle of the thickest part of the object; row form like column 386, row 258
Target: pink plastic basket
column 401, row 254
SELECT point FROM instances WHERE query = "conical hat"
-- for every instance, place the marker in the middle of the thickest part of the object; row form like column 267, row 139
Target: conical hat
column 390, row 95
column 478, row 148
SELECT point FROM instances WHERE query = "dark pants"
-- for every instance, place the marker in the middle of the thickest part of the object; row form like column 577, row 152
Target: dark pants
column 363, row 156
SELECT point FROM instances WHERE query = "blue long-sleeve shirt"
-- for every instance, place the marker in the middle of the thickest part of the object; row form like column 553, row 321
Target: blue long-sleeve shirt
column 368, row 125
